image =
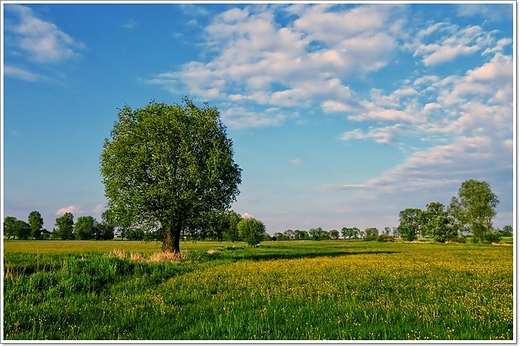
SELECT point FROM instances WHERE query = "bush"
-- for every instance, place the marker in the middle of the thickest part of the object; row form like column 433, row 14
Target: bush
column 491, row 237
column 385, row 238
column 251, row 231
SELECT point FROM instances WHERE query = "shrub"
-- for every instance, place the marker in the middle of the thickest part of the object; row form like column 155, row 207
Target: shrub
column 491, row 237
column 385, row 238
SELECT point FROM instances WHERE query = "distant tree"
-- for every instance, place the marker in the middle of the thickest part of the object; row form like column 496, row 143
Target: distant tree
column 170, row 164
column 85, row 228
column 278, row 236
column 345, row 233
column 135, row 234
column 370, row 234
column 387, row 230
column 289, row 234
column 435, row 222
column 409, row 223
column 301, row 234
column 36, row 223
column 209, row 225
column 22, row 229
column 356, row 233
column 104, row 232
column 65, row 227
column 251, row 231
column 231, row 233
column 10, row 227
column 507, row 231
column 474, row 207
column 105, row 229
column 395, row 232
column 334, row 234
column 318, row 233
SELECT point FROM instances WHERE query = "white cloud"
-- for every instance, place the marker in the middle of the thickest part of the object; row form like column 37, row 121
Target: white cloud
column 72, row 209
column 454, row 42
column 130, row 24
column 239, row 118
column 384, row 135
column 23, row 74
column 295, row 162
column 258, row 61
column 99, row 208
column 43, row 41
column 490, row 12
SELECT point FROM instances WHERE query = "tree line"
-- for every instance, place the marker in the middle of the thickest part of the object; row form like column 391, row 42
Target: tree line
column 214, row 225
column 85, row 228
column 470, row 213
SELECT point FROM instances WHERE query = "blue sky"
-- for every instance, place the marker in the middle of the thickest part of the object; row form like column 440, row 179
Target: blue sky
column 341, row 114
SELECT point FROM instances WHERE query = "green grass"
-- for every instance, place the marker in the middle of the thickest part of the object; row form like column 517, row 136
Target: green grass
column 293, row 290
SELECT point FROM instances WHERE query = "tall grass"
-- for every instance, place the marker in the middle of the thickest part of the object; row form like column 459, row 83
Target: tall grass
column 331, row 290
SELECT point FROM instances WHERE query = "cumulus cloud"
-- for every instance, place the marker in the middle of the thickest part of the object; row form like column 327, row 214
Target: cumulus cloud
column 454, row 42
column 72, row 209
column 257, row 60
column 41, row 41
column 468, row 119
column 99, row 208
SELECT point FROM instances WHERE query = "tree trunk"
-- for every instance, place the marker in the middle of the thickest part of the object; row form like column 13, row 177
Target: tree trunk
column 171, row 241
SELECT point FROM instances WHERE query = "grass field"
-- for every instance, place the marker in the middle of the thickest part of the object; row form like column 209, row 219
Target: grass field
column 292, row 290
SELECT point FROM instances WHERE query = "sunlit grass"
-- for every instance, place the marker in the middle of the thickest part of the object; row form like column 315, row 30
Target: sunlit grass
column 308, row 290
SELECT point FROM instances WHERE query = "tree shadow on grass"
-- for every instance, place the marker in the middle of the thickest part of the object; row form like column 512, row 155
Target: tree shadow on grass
column 277, row 256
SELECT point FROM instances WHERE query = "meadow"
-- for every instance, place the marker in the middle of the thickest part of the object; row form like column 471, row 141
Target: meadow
column 281, row 290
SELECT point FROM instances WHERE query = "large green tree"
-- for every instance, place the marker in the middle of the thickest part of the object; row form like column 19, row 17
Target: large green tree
column 36, row 223
column 474, row 207
column 170, row 164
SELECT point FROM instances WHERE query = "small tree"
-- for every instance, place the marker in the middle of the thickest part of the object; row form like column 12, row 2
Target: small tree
column 85, row 228
column 435, row 222
column 231, row 233
column 10, row 227
column 409, row 223
column 289, row 234
column 36, row 223
column 65, row 227
column 370, row 234
column 507, row 231
column 318, row 234
column 334, row 234
column 301, row 234
column 251, row 231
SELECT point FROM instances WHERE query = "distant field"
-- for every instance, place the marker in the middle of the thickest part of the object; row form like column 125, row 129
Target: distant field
column 291, row 290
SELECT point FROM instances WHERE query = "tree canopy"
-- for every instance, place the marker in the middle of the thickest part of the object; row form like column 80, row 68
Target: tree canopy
column 170, row 164
column 474, row 207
